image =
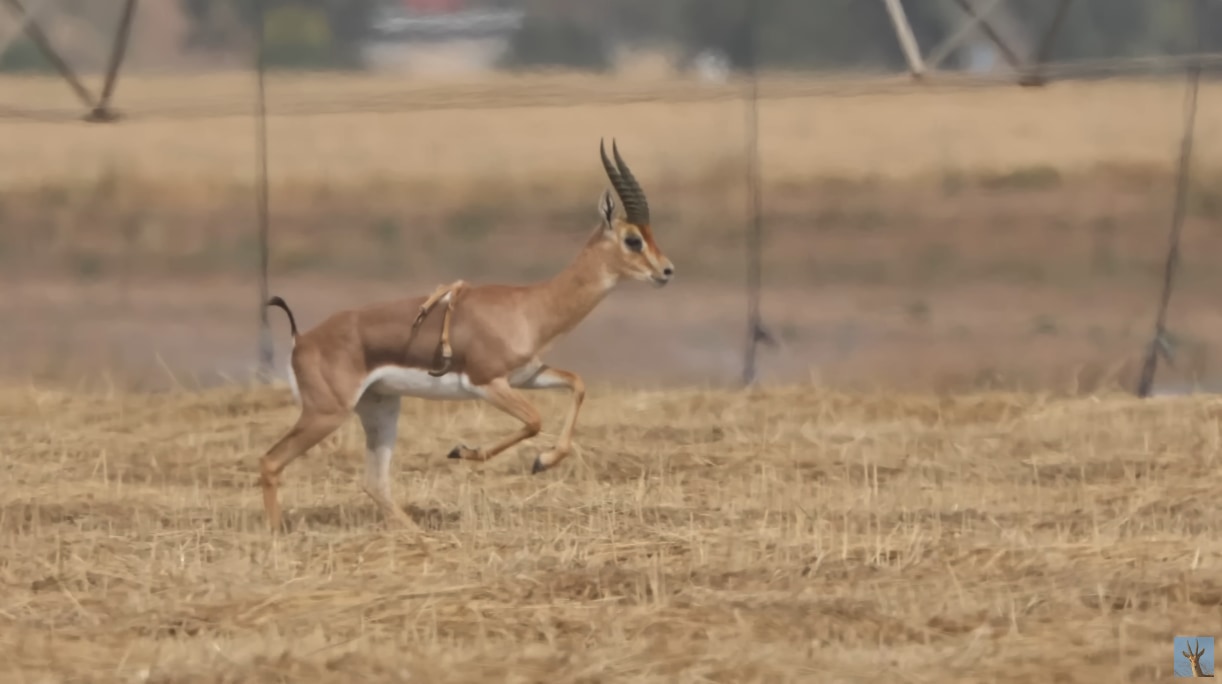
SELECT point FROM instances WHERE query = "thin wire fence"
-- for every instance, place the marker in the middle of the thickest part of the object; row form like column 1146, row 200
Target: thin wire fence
column 956, row 230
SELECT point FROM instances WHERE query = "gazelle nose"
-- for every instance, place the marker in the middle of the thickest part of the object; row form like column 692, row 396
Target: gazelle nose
column 668, row 271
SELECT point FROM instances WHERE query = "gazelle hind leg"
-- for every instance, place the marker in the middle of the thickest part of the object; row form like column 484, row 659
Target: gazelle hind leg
column 554, row 378
column 379, row 417
column 501, row 395
column 311, row 428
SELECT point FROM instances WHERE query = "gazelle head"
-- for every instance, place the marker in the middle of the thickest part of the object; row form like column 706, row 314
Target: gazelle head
column 629, row 241
column 1193, row 654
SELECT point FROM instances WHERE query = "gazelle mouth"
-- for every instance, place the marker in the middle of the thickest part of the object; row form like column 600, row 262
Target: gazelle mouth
column 659, row 281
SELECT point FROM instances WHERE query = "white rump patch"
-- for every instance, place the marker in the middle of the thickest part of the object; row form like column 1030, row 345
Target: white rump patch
column 293, row 383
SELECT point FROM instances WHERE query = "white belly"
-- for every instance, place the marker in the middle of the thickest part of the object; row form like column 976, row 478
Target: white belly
column 414, row 382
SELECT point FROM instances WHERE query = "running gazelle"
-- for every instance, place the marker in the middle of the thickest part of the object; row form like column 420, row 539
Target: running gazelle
column 485, row 344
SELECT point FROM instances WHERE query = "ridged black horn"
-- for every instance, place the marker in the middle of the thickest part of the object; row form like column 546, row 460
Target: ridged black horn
column 636, row 208
column 635, row 205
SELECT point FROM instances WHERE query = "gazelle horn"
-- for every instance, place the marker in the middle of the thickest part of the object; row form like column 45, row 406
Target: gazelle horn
column 636, row 207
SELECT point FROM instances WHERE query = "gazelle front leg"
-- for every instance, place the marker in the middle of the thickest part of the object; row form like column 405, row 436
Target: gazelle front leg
column 500, row 394
column 554, row 378
column 447, row 293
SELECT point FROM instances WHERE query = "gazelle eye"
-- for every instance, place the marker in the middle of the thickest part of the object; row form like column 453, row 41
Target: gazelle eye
column 633, row 243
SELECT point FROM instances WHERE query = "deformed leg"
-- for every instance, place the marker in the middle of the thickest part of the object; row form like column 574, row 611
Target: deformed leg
column 431, row 301
column 554, row 378
column 311, row 428
column 379, row 417
column 446, row 293
column 447, row 352
column 501, row 395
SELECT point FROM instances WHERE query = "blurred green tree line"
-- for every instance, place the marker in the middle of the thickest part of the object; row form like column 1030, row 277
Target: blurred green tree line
column 585, row 34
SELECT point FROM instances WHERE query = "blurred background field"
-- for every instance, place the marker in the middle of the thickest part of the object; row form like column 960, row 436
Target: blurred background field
column 963, row 233
column 996, row 236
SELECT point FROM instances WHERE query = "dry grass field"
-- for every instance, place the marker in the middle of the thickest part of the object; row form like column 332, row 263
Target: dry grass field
column 792, row 534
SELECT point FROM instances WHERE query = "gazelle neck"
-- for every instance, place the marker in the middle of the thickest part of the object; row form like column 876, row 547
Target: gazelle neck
column 563, row 301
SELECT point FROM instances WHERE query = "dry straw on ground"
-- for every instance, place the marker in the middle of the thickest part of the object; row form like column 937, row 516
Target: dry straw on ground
column 785, row 535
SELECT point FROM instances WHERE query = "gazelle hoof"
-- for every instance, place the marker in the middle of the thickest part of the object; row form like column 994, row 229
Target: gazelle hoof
column 465, row 452
column 538, row 467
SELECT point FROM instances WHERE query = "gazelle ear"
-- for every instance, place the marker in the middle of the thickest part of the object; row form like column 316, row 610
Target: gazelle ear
column 606, row 208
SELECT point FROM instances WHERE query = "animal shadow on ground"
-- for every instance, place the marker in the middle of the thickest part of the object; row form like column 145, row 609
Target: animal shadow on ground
column 361, row 516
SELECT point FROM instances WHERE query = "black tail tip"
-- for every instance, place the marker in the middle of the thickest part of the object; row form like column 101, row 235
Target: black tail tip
column 279, row 301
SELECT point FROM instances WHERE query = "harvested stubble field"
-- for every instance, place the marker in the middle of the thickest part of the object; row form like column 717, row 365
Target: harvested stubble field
column 790, row 534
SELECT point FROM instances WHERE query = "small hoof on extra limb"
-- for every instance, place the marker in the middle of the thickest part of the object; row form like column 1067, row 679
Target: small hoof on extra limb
column 538, row 467
column 446, row 362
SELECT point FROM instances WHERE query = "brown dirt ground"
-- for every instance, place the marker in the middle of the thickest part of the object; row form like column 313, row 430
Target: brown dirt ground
column 786, row 535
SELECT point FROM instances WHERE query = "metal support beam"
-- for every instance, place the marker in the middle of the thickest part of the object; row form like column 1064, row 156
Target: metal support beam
column 941, row 52
column 1160, row 345
column 101, row 111
column 755, row 229
column 908, row 42
column 266, row 352
column 986, row 28
column 1030, row 71
column 44, row 46
column 99, row 107
column 7, row 41
column 1034, row 76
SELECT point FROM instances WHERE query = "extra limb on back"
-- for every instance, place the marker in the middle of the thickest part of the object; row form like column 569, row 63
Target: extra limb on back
column 446, row 293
